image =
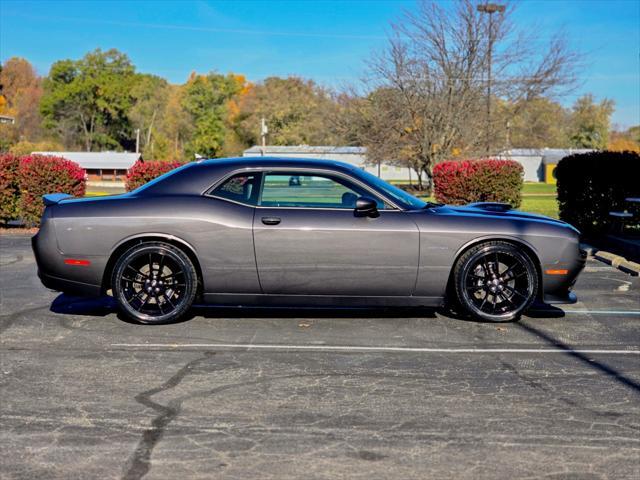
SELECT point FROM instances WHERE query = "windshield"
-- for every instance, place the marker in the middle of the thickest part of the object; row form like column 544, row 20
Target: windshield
column 403, row 198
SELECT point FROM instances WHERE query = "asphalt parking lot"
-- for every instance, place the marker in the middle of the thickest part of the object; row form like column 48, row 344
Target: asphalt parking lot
column 314, row 394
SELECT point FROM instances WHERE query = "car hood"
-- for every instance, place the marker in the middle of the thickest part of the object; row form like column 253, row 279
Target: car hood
column 508, row 214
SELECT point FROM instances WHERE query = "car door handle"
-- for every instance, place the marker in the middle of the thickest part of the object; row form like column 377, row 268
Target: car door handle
column 271, row 220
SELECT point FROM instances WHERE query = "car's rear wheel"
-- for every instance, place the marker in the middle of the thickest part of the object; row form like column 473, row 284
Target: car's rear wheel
column 495, row 281
column 154, row 282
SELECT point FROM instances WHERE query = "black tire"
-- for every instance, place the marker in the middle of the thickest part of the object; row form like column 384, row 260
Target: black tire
column 154, row 282
column 495, row 281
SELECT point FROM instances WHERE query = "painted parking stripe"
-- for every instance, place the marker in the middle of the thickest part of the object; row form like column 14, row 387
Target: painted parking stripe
column 355, row 348
column 602, row 312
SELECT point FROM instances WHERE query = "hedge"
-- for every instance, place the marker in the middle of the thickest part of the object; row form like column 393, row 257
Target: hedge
column 590, row 185
column 9, row 186
column 489, row 180
column 39, row 175
column 143, row 172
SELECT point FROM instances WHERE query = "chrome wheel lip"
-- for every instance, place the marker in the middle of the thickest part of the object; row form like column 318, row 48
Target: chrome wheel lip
column 166, row 314
column 473, row 263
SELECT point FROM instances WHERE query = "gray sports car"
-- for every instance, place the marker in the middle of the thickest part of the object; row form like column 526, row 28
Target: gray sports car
column 278, row 231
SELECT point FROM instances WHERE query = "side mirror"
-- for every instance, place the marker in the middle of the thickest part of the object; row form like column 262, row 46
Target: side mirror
column 366, row 207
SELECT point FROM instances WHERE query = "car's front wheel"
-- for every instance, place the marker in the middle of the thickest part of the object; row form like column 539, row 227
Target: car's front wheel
column 154, row 282
column 495, row 281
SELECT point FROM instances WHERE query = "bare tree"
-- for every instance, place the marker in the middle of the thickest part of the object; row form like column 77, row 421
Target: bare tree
column 427, row 89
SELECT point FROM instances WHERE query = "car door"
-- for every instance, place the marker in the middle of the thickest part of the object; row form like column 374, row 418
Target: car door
column 309, row 241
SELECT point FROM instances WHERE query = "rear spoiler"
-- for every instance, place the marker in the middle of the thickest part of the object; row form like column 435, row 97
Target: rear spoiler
column 54, row 198
column 491, row 206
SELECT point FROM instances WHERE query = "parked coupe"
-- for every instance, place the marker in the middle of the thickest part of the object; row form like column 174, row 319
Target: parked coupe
column 278, row 231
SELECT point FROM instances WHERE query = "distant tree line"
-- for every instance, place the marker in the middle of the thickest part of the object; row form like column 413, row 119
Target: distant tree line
column 424, row 100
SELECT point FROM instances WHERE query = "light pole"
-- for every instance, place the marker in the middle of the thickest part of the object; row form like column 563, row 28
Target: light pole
column 264, row 130
column 490, row 8
column 137, row 140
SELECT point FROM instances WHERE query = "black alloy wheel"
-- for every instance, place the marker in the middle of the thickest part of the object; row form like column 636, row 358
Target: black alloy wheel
column 154, row 282
column 495, row 281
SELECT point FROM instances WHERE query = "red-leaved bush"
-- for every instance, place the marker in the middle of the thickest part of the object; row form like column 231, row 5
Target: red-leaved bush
column 462, row 182
column 41, row 174
column 143, row 172
column 9, row 186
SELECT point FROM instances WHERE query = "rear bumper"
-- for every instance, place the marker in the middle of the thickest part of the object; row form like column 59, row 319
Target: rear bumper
column 69, row 286
column 50, row 262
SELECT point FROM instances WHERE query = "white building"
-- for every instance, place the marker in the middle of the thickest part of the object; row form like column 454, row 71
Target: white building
column 537, row 162
column 100, row 167
column 352, row 155
column 534, row 160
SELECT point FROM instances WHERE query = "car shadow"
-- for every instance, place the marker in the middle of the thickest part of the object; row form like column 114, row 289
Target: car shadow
column 106, row 305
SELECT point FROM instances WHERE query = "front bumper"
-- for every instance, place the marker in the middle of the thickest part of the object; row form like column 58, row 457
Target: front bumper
column 556, row 299
column 557, row 290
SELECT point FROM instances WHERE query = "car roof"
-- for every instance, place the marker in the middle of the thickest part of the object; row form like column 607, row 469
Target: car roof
column 198, row 176
column 271, row 161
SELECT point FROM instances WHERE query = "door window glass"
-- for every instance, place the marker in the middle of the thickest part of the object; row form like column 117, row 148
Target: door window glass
column 241, row 188
column 311, row 191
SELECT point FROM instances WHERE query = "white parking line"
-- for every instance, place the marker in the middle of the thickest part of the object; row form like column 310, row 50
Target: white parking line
column 355, row 348
column 602, row 312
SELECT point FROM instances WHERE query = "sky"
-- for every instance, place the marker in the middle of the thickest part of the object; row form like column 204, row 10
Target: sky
column 327, row 41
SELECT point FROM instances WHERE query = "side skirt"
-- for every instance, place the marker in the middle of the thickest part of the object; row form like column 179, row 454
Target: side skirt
column 228, row 299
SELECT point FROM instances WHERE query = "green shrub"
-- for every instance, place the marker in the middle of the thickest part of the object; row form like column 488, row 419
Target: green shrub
column 9, row 186
column 462, row 182
column 39, row 175
column 590, row 185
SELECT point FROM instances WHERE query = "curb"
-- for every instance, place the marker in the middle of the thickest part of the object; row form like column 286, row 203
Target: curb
column 621, row 263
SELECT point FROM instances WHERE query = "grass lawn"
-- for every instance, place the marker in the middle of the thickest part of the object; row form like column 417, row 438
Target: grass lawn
column 533, row 188
column 537, row 198
column 542, row 205
column 540, row 198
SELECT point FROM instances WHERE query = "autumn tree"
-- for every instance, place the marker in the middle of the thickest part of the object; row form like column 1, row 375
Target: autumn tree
column 150, row 96
column 627, row 140
column 590, row 122
column 175, row 127
column 436, row 62
column 86, row 102
column 535, row 123
column 297, row 112
column 206, row 100
column 20, row 99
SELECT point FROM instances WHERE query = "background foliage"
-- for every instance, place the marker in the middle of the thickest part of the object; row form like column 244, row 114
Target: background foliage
column 99, row 102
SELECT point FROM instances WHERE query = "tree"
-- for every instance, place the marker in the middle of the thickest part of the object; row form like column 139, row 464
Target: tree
column 634, row 133
column 537, row 123
column 86, row 102
column 20, row 98
column 297, row 112
column 436, row 63
column 175, row 127
column 625, row 141
column 590, row 122
column 206, row 99
column 150, row 97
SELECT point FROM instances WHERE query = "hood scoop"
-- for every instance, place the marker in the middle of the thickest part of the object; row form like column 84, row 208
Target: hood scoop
column 491, row 206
